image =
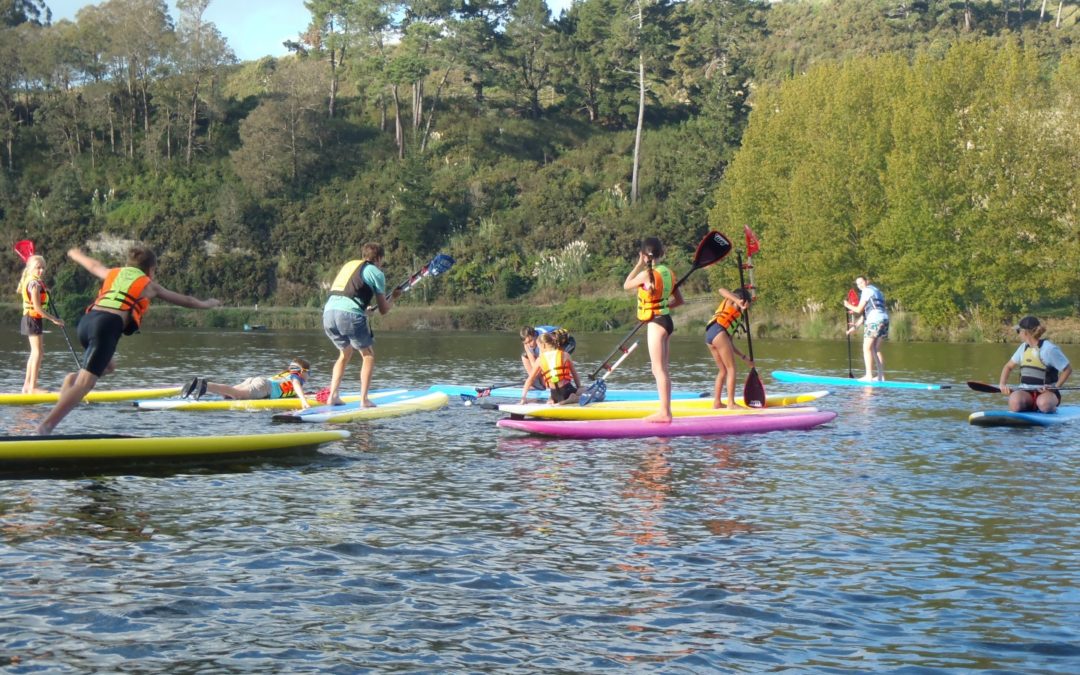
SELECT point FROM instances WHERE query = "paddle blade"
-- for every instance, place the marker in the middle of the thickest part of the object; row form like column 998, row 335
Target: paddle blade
column 25, row 249
column 595, row 392
column 713, row 248
column 439, row 264
column 852, row 296
column 754, row 390
column 985, row 388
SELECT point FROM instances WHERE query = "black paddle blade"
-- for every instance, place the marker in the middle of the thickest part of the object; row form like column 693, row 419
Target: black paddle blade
column 985, row 388
column 754, row 391
column 713, row 248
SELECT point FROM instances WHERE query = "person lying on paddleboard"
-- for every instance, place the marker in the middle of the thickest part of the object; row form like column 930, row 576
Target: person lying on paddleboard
column 287, row 384
column 120, row 306
column 719, row 336
column 873, row 314
column 35, row 300
column 1042, row 364
column 531, row 350
column 557, row 371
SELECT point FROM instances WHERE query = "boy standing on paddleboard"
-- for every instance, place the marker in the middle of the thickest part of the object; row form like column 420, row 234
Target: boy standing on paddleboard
column 345, row 321
column 121, row 303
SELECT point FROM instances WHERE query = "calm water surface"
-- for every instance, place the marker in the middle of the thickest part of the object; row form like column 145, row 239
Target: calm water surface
column 897, row 538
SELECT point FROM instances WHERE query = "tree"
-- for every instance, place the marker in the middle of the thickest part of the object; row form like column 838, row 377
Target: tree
column 201, row 52
column 527, row 54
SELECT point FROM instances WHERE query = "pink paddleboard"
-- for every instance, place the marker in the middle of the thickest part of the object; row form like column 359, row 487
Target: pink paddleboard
column 680, row 426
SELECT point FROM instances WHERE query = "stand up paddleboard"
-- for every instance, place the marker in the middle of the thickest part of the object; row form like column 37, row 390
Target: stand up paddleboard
column 95, row 396
column 389, row 406
column 633, row 409
column 612, row 394
column 680, row 426
column 52, row 452
column 219, row 404
column 1007, row 418
column 825, row 380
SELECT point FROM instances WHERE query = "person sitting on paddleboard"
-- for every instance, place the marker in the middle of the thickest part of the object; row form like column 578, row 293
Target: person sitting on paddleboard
column 871, row 307
column 35, row 300
column 1042, row 364
column 121, row 303
column 286, row 384
column 531, row 350
column 656, row 297
column 557, row 370
column 719, row 334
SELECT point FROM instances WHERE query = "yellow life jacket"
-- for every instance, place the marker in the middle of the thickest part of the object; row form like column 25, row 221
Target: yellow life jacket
column 653, row 302
column 1033, row 370
column 349, row 283
column 555, row 365
column 28, row 300
column 122, row 289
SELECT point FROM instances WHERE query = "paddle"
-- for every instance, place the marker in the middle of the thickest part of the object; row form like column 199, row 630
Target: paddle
column 713, row 248
column 597, row 390
column 853, row 299
column 753, row 390
column 439, row 264
column 483, row 392
column 994, row 389
column 25, row 249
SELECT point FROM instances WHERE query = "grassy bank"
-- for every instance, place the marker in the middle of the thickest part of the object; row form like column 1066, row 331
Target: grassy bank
column 593, row 314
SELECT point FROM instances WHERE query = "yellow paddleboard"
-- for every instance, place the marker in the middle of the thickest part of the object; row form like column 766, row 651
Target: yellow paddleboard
column 95, row 396
column 42, row 451
column 614, row 410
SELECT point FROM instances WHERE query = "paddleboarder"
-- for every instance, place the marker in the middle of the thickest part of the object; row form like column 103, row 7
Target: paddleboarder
column 35, row 301
column 531, row 350
column 286, row 384
column 121, row 303
column 875, row 319
column 657, row 295
column 556, row 370
column 1042, row 365
column 719, row 332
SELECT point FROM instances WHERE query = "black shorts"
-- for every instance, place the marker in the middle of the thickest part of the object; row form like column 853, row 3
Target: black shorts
column 563, row 392
column 99, row 333
column 665, row 321
column 30, row 326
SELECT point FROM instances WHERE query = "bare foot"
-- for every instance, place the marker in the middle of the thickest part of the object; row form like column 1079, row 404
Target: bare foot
column 659, row 418
column 732, row 406
column 336, row 401
column 44, row 429
column 367, row 404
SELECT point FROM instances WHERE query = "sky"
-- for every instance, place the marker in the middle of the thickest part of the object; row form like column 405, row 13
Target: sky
column 252, row 28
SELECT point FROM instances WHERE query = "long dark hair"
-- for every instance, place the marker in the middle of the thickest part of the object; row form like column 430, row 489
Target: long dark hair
column 653, row 250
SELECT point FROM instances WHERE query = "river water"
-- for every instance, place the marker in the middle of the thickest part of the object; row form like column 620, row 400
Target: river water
column 897, row 538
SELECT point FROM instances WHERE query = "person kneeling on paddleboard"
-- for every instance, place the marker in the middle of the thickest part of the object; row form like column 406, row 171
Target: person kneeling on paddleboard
column 1043, row 368
column 121, row 303
column 558, row 372
column 531, row 350
column 286, row 384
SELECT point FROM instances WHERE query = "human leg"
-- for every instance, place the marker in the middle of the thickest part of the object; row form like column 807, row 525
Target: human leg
column 33, row 363
column 1022, row 401
column 659, row 337
column 367, row 367
column 338, row 372
column 868, row 358
column 1047, row 401
column 879, row 359
column 73, row 391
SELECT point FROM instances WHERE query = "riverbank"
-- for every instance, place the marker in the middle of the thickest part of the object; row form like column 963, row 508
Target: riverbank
column 584, row 314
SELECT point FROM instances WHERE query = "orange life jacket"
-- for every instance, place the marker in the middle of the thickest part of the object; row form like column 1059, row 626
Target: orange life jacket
column 555, row 365
column 27, row 298
column 727, row 315
column 653, row 302
column 122, row 289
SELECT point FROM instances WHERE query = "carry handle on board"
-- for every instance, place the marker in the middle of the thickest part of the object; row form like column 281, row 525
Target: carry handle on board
column 713, row 248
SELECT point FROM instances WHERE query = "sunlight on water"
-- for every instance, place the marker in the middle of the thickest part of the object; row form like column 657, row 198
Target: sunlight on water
column 896, row 537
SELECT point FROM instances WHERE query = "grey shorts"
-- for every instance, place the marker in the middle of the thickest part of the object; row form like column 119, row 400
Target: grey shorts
column 347, row 328
column 256, row 387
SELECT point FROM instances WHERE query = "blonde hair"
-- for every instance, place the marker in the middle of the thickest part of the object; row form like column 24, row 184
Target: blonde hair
column 26, row 270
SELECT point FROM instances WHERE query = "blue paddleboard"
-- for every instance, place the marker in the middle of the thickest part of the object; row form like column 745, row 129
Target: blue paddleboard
column 1007, row 418
column 542, row 394
column 807, row 378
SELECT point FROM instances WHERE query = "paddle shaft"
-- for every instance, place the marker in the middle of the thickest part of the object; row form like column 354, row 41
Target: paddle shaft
column 994, row 389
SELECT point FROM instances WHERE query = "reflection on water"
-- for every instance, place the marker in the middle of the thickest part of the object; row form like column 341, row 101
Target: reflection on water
column 896, row 538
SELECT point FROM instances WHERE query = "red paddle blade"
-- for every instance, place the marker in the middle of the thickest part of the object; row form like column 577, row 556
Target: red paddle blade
column 754, row 390
column 25, row 249
column 853, row 296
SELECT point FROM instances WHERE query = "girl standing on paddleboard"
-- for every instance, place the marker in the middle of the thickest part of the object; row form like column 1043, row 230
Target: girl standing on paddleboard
column 656, row 297
column 35, row 299
column 719, row 332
